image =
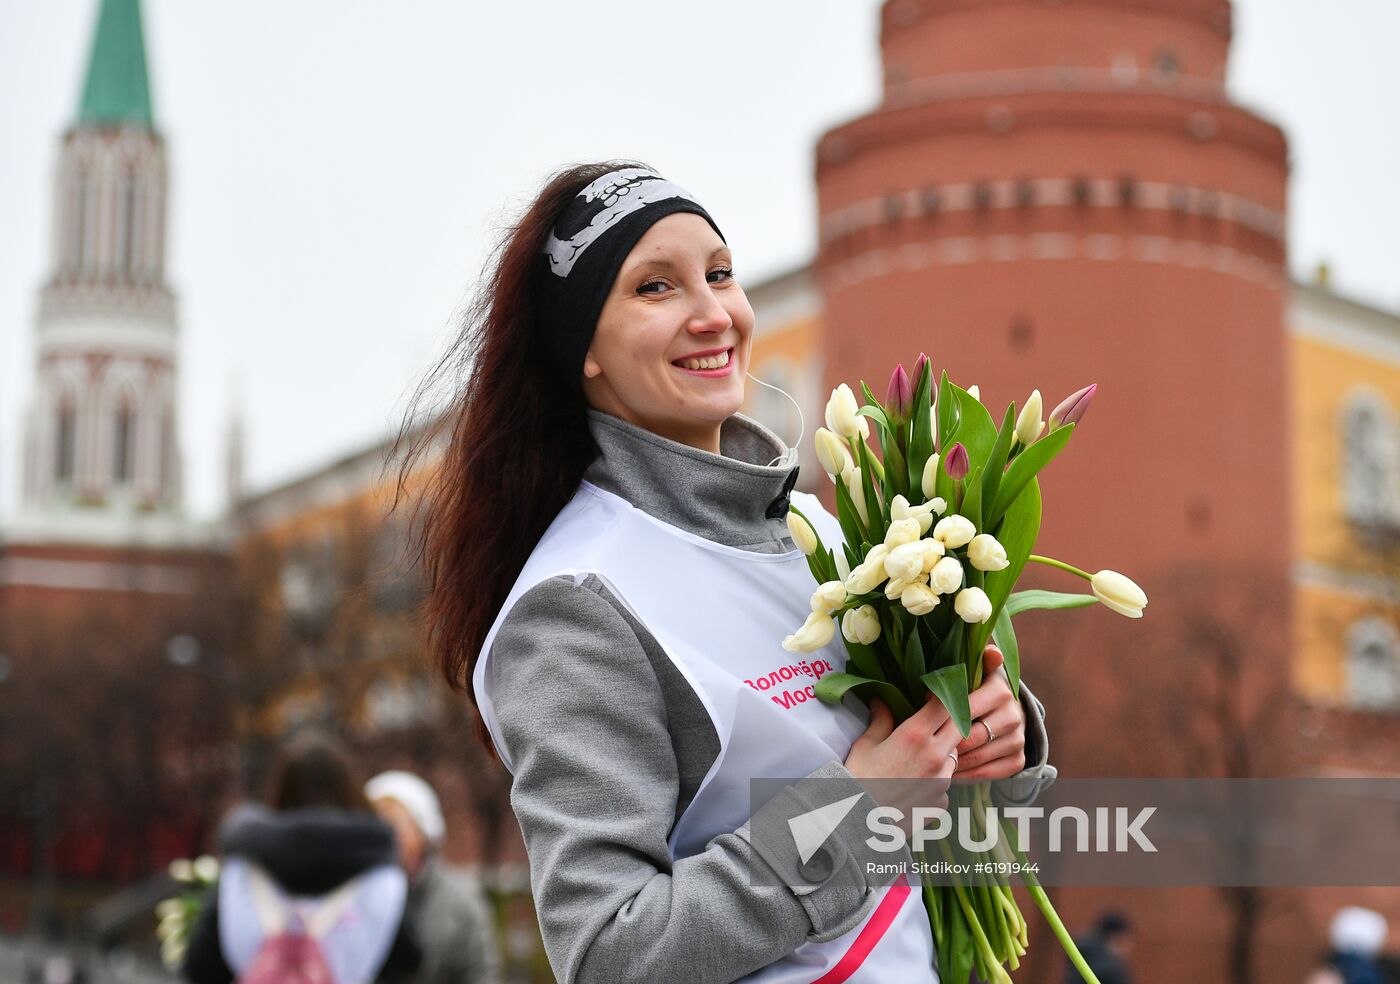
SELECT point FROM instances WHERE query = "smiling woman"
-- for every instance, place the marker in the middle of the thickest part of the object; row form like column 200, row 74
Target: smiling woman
column 672, row 341
column 611, row 575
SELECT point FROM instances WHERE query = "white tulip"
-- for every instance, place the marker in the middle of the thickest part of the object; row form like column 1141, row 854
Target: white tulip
column 171, row 925
column 918, row 599
column 895, row 588
column 955, row 531
column 828, row 597
column 973, row 605
column 170, row 909
column 802, row 533
column 1118, row 593
column 861, row 625
column 930, row 479
column 905, row 562
column 206, row 867
column 1028, row 422
column 870, row 573
column 857, row 490
column 974, row 392
column 172, row 952
column 902, row 531
column 923, row 512
column 832, row 452
column 933, row 553
column 946, row 576
column 842, row 414
column 843, row 566
column 815, row 633
column 986, row 553
column 182, row 870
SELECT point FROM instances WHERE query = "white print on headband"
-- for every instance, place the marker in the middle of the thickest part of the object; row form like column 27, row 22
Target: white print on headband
column 599, row 207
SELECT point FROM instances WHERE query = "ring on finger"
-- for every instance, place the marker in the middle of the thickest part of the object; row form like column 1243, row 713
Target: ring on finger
column 954, row 757
column 990, row 737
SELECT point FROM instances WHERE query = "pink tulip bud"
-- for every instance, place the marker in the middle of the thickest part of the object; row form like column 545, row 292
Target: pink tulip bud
column 1072, row 408
column 957, row 462
column 919, row 365
column 900, row 394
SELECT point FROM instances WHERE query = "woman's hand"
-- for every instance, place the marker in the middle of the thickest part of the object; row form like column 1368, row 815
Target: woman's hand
column 923, row 747
column 995, row 712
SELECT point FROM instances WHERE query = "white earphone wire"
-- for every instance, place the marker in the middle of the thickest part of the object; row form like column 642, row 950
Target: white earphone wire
column 802, row 420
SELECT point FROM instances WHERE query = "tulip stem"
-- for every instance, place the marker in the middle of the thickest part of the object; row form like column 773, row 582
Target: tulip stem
column 1052, row 562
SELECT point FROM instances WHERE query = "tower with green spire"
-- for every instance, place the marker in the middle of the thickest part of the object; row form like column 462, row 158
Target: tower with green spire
column 101, row 454
column 117, row 91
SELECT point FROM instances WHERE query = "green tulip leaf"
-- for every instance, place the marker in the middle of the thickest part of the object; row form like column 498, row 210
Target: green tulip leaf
column 949, row 412
column 1037, row 600
column 913, row 662
column 851, row 526
column 875, row 413
column 1005, row 635
column 863, row 660
column 996, row 458
column 869, row 396
column 1020, row 527
column 949, row 650
column 833, row 687
column 879, row 523
column 972, row 498
column 949, row 685
column 976, row 430
column 1025, row 467
column 895, row 473
column 962, row 951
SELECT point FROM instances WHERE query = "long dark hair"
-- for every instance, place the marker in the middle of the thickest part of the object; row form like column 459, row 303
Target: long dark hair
column 515, row 443
column 312, row 768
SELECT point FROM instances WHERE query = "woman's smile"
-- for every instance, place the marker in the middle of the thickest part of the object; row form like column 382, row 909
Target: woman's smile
column 711, row 363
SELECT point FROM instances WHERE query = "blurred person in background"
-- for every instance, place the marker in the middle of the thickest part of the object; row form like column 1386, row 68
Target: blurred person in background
column 310, row 888
column 447, row 916
column 1357, row 936
column 1106, row 949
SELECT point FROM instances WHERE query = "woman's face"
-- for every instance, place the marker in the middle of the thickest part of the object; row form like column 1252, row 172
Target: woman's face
column 675, row 301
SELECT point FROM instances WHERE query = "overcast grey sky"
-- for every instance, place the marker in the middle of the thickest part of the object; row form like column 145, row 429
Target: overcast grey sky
column 338, row 167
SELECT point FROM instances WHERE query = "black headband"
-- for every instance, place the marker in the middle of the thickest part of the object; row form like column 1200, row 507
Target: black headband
column 584, row 250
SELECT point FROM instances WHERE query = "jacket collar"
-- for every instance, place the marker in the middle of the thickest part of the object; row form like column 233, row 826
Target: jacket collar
column 738, row 497
column 309, row 851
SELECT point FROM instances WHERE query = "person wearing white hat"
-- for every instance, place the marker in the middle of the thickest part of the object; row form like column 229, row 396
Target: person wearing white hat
column 447, row 914
column 1358, row 935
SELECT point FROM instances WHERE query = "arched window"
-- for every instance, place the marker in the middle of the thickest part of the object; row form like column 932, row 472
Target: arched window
column 1373, row 665
column 126, row 261
column 66, row 427
column 1369, row 461
column 167, row 457
column 80, row 204
column 121, row 444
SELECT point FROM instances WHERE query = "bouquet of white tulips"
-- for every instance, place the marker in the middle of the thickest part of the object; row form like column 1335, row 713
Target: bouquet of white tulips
column 938, row 528
column 177, row 915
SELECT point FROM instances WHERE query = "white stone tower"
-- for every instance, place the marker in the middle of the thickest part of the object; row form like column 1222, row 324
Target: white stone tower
column 101, row 459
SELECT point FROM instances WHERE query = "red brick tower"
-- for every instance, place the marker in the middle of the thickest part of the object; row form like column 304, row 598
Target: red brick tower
column 1055, row 193
column 1059, row 192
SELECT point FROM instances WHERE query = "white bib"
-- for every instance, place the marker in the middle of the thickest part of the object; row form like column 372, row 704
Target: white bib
column 758, row 696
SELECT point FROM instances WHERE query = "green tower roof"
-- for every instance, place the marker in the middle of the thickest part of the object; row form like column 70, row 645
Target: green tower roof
column 116, row 90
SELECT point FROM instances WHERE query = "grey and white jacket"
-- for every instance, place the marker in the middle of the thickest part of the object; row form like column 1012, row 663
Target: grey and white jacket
column 599, row 783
